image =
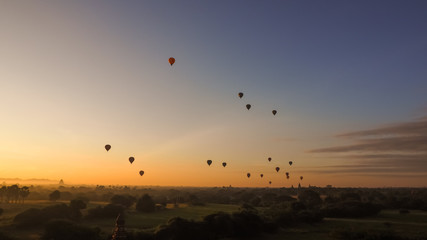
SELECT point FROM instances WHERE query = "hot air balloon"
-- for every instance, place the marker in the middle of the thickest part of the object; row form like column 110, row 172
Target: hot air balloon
column 107, row 147
column 224, row 164
column 287, row 173
column 301, row 177
column 240, row 94
column 287, row 176
column 171, row 61
column 141, row 172
column 269, row 159
column 262, row 175
column 277, row 169
column 290, row 163
column 209, row 162
column 249, row 175
column 269, row 182
column 131, row 159
column 248, row 106
column 274, row 112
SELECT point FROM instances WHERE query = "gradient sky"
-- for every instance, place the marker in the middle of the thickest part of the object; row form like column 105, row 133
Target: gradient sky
column 76, row 75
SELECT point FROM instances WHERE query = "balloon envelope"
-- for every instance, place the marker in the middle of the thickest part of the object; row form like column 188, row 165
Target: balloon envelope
column 240, row 94
column 269, row 182
column 209, row 162
column 224, row 164
column 301, row 177
column 131, row 159
column 290, row 163
column 141, row 172
column 248, row 106
column 277, row 169
column 262, row 175
column 249, row 175
column 107, row 147
column 269, row 159
column 274, row 112
column 171, row 61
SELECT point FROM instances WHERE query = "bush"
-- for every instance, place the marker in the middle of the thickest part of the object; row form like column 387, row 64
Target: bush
column 66, row 230
column 180, row 229
column 125, row 200
column 108, row 211
column 29, row 218
column 145, row 204
column 55, row 195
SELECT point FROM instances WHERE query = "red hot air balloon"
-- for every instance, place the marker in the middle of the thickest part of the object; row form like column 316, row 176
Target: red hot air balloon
column 107, row 147
column 277, row 169
column 209, row 162
column 171, row 61
column 131, row 159
column 141, row 172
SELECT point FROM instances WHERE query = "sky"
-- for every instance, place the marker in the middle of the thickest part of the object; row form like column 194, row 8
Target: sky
column 348, row 79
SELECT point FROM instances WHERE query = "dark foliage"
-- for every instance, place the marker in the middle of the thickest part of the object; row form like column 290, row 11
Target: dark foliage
column 351, row 209
column 125, row 200
column 145, row 204
column 66, row 230
column 108, row 211
column 55, row 195
column 34, row 217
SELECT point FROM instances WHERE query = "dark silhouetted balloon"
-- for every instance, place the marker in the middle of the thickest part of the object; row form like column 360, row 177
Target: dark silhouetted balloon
column 141, row 172
column 209, row 162
column 301, row 177
column 287, row 173
column 248, row 106
column 262, row 175
column 171, row 61
column 249, row 175
column 131, row 159
column 224, row 164
column 287, row 176
column 274, row 112
column 269, row 182
column 269, row 159
column 240, row 94
column 290, row 163
column 107, row 147
column 277, row 169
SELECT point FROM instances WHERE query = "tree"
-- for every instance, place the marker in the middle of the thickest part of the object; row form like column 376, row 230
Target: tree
column 55, row 195
column 310, row 198
column 24, row 192
column 77, row 204
column 125, row 200
column 145, row 204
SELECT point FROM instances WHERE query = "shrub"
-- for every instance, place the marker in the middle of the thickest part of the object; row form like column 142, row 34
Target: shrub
column 145, row 204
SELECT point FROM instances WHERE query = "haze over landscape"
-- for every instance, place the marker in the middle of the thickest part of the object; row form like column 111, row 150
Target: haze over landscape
column 348, row 80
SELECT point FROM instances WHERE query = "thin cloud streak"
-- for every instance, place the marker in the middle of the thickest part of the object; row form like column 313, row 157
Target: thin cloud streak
column 396, row 149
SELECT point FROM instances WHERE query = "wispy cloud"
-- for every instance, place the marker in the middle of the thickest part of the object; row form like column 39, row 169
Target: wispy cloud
column 399, row 148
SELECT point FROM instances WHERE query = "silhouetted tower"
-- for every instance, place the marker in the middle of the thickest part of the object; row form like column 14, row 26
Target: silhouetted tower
column 119, row 232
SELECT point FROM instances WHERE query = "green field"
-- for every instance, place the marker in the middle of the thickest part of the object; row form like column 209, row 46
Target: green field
column 413, row 224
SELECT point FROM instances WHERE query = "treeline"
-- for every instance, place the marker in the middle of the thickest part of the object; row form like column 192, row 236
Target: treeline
column 13, row 194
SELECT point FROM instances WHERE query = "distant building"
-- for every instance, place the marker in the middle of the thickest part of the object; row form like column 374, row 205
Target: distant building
column 61, row 182
column 328, row 186
column 119, row 232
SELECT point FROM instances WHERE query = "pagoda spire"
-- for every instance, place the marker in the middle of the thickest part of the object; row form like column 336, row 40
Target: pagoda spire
column 119, row 232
